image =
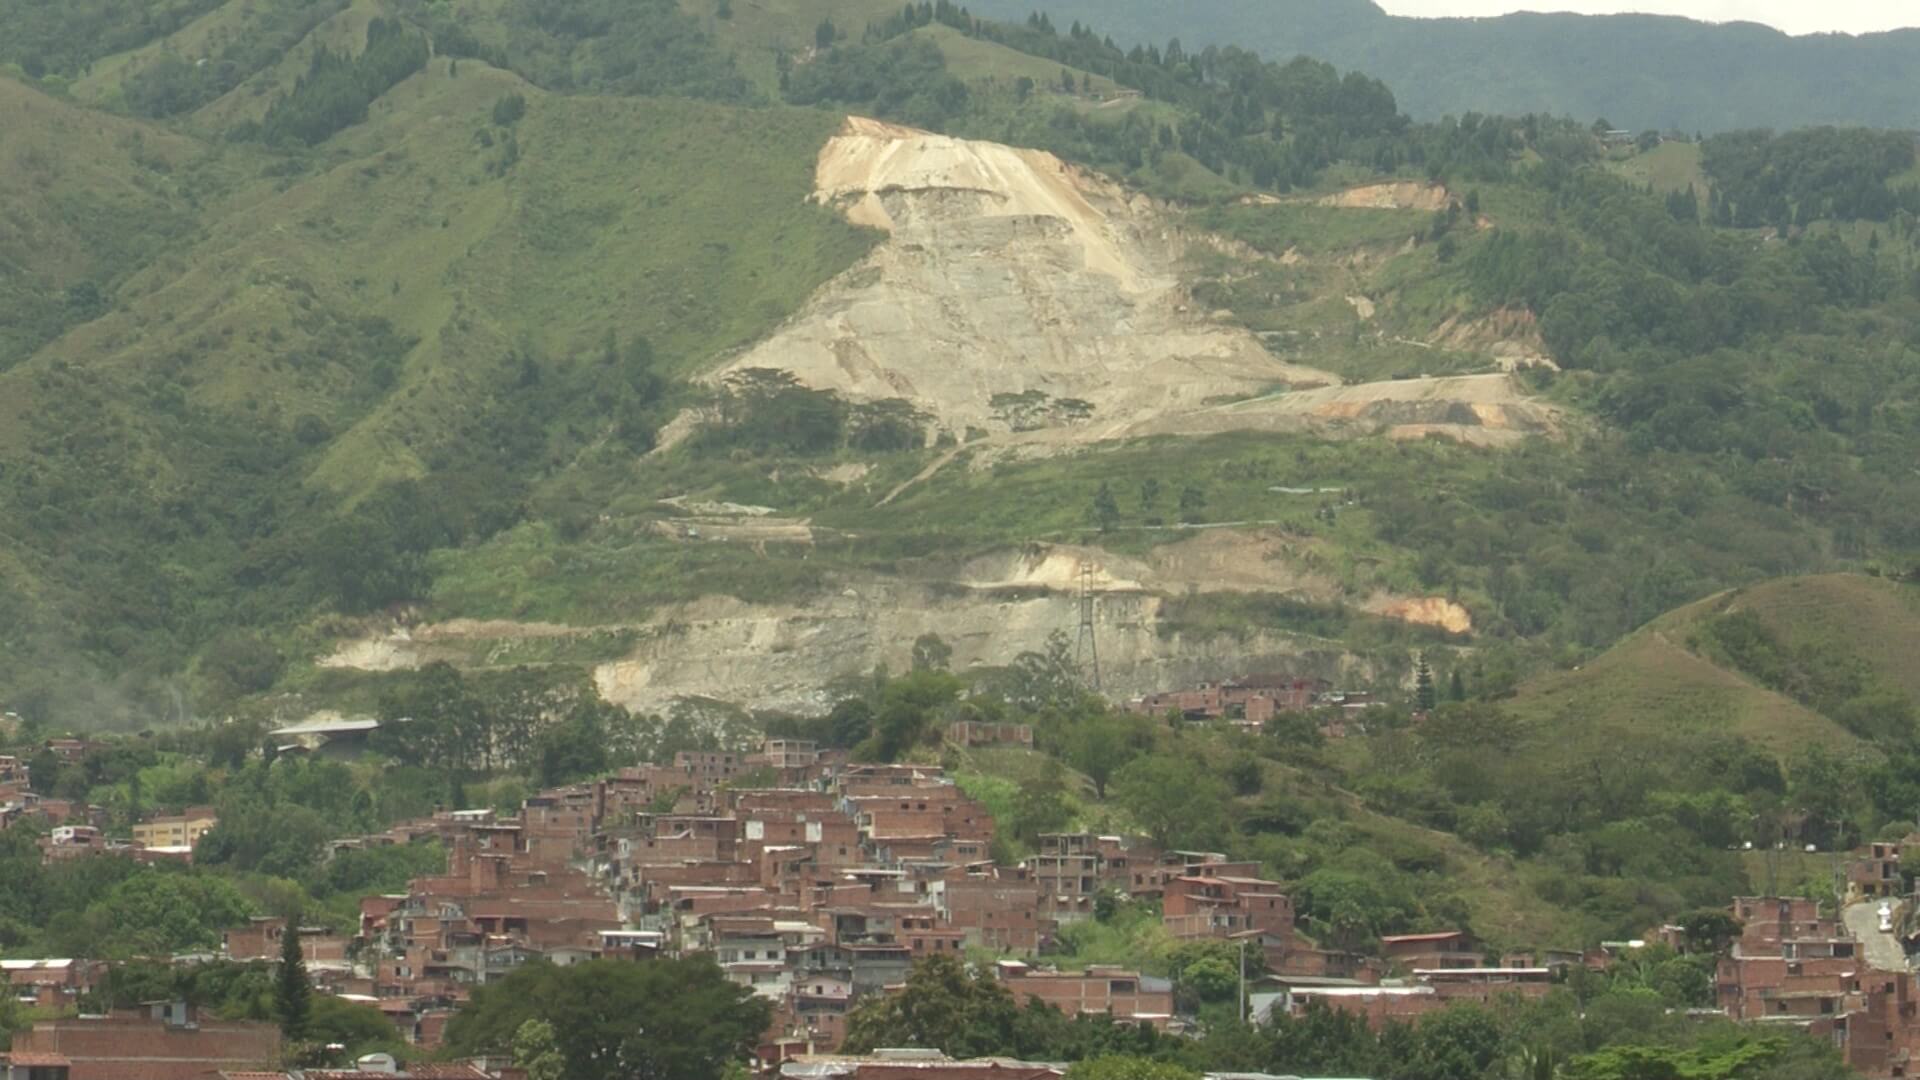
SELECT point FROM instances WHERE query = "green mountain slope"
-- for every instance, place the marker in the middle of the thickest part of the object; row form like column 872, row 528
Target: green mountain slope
column 1878, row 621
column 345, row 323
column 1652, row 683
column 1639, row 71
column 1788, row 664
column 359, row 324
column 90, row 198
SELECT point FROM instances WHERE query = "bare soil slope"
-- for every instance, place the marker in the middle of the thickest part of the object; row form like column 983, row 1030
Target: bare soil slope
column 1012, row 282
column 1484, row 410
column 1007, row 272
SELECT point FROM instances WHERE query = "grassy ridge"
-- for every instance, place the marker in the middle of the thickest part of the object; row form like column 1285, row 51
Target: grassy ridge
column 603, row 222
column 1662, row 677
column 1652, row 682
column 1877, row 619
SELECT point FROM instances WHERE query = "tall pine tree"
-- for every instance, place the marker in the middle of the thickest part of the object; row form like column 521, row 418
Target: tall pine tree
column 292, row 993
column 1423, row 684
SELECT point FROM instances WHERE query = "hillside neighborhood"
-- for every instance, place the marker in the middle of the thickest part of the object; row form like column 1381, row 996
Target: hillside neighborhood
column 958, row 540
column 822, row 883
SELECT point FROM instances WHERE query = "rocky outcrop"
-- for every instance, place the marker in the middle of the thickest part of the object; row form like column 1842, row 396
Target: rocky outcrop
column 778, row 657
column 989, row 609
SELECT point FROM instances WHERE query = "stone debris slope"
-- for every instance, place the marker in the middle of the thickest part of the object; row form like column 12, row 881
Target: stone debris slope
column 1021, row 297
column 1008, row 272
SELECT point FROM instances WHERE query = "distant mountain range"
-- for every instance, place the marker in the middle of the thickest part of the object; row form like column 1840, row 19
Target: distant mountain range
column 1637, row 71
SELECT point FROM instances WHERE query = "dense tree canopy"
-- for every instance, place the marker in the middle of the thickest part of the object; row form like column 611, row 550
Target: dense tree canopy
column 668, row 1019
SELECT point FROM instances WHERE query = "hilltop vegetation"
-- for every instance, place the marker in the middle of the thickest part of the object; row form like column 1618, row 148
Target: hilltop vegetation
column 1640, row 71
column 64, row 40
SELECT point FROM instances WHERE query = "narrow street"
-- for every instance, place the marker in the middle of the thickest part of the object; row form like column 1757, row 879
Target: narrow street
column 1883, row 952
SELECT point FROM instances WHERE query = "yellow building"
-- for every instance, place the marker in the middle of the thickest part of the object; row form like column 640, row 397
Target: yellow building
column 176, row 830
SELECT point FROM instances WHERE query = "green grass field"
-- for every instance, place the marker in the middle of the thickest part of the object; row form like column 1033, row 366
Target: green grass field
column 976, row 60
column 1671, row 166
column 1654, row 680
column 1877, row 620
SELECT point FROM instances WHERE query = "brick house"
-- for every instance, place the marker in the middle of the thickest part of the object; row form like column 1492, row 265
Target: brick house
column 1128, row 995
column 168, row 1042
column 260, row 939
column 1876, row 873
column 48, row 984
column 1447, row 949
column 1223, row 899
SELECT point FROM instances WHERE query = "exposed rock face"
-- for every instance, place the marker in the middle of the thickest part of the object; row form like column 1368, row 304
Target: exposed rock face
column 1022, row 297
column 1435, row 611
column 989, row 609
column 783, row 655
column 1008, row 272
column 1398, row 195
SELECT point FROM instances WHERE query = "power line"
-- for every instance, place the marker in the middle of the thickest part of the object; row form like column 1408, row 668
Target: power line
column 1086, row 651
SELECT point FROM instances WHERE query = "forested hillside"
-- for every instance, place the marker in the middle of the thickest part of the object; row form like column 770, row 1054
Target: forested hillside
column 1638, row 71
column 416, row 316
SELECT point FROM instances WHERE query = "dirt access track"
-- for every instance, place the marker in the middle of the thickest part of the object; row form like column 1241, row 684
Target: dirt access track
column 1481, row 410
column 1010, row 273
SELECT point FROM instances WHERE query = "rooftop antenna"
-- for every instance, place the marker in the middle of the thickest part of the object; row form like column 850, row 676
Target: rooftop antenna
column 1086, row 651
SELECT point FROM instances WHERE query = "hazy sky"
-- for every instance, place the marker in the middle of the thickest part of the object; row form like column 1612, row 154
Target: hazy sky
column 1793, row 16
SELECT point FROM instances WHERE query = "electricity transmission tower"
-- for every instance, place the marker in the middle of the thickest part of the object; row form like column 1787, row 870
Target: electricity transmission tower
column 1086, row 651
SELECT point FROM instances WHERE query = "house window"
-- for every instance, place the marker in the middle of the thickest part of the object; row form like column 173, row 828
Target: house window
column 1120, row 986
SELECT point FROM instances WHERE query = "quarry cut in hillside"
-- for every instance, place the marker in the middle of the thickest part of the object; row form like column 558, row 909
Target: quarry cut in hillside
column 1008, row 272
column 1397, row 195
column 781, row 656
column 989, row 608
column 1017, row 295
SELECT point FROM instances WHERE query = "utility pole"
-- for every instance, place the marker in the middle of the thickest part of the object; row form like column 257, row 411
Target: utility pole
column 1243, row 980
column 1086, row 651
